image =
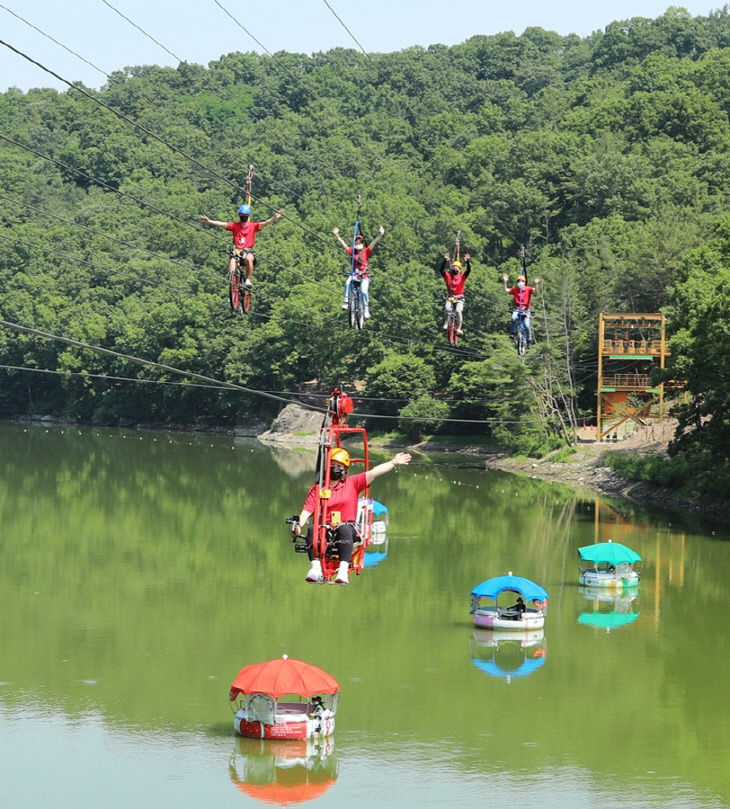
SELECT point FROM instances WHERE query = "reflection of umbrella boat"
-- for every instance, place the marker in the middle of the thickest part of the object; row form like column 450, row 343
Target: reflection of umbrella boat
column 507, row 655
column 603, row 618
column 283, row 773
column 608, row 564
column 375, row 553
column 258, row 691
column 495, row 616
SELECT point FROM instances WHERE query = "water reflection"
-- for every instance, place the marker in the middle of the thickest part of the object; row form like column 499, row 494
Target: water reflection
column 283, row 773
column 134, row 574
column 608, row 610
column 508, row 655
column 377, row 550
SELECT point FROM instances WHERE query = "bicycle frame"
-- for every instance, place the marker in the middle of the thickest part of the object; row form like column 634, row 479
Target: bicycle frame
column 239, row 295
column 453, row 330
column 355, row 311
column 521, row 333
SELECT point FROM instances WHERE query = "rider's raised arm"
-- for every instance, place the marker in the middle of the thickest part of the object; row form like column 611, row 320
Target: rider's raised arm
column 467, row 264
column 441, row 269
column 381, row 233
column 271, row 219
column 505, row 277
column 336, row 231
column 400, row 459
column 208, row 221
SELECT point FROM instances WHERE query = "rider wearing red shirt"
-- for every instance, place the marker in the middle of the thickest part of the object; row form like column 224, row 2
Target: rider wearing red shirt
column 455, row 280
column 345, row 492
column 522, row 294
column 360, row 265
column 244, row 237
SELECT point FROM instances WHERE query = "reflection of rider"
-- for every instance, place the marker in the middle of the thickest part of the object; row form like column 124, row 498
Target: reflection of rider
column 244, row 236
column 455, row 280
column 345, row 492
column 360, row 266
column 522, row 294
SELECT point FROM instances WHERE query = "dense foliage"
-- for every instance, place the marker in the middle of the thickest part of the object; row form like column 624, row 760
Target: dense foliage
column 607, row 156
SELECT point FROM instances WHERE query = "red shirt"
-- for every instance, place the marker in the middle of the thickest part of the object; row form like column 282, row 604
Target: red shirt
column 361, row 260
column 344, row 497
column 455, row 283
column 244, row 234
column 522, row 296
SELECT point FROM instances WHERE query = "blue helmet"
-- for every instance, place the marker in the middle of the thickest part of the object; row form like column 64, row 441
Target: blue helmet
column 245, row 210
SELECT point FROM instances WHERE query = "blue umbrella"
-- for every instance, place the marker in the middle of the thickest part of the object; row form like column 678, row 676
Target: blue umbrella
column 491, row 588
column 612, row 552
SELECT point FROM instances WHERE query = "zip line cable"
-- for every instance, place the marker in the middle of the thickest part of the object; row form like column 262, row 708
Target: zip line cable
column 111, row 78
column 85, row 375
column 98, row 232
column 352, row 36
column 144, row 129
column 150, row 363
column 221, row 383
column 167, row 50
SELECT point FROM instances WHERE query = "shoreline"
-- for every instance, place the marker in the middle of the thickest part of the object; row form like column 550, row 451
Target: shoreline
column 584, row 470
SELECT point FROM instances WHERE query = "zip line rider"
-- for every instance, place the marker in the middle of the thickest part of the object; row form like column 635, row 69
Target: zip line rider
column 522, row 294
column 345, row 492
column 455, row 280
column 244, row 237
column 359, row 265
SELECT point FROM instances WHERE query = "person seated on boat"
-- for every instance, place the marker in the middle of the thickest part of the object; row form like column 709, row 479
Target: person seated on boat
column 518, row 609
column 345, row 492
column 316, row 707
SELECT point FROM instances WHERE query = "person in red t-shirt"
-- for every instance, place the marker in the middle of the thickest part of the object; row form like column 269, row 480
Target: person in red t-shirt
column 345, row 492
column 522, row 293
column 360, row 266
column 455, row 280
column 244, row 236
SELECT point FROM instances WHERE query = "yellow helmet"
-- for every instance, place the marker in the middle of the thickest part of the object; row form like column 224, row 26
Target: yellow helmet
column 456, row 264
column 521, row 278
column 341, row 456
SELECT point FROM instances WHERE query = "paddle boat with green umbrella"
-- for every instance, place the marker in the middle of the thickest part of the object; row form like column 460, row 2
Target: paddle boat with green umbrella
column 527, row 613
column 608, row 564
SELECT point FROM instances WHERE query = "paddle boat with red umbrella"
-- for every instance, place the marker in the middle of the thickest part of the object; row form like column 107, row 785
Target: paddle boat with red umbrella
column 608, row 564
column 490, row 614
column 284, row 699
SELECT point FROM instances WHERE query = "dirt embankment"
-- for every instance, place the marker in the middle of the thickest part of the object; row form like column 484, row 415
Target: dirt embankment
column 588, row 468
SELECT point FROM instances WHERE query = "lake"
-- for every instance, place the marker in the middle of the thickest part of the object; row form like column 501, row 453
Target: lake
column 140, row 571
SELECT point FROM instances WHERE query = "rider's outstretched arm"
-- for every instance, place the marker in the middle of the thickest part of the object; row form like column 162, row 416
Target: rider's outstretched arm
column 208, row 221
column 400, row 459
column 504, row 279
column 336, row 231
column 381, row 233
column 271, row 219
column 444, row 262
column 467, row 265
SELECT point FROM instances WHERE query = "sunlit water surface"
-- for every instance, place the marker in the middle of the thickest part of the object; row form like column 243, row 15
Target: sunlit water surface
column 140, row 571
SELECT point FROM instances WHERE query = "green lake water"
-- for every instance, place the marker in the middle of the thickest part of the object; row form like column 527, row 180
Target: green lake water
column 140, row 571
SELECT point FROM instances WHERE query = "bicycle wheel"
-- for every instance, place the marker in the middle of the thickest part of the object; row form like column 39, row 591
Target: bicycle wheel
column 352, row 309
column 246, row 299
column 521, row 341
column 234, row 289
column 359, row 312
column 453, row 336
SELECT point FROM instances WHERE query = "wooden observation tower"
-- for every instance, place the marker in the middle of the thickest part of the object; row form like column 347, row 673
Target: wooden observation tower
column 630, row 346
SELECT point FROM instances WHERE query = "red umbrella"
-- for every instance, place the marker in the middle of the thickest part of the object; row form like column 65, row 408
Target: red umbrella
column 283, row 676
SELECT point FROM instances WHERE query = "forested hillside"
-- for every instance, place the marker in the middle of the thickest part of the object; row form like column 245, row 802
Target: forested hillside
column 607, row 157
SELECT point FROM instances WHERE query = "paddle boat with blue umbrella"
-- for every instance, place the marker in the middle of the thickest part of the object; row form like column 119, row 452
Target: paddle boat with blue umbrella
column 528, row 611
column 608, row 564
